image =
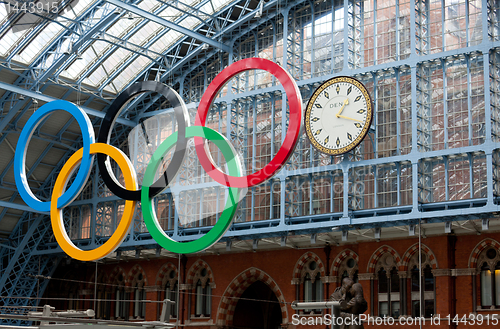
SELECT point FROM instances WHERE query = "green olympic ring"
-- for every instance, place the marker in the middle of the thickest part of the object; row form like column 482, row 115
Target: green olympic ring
column 222, row 225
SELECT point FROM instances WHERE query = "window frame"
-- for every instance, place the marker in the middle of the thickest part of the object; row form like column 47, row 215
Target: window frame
column 485, row 264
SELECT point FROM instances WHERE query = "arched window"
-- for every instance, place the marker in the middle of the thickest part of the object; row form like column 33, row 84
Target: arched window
column 139, row 297
column 427, row 292
column 172, row 294
column 103, row 302
column 428, row 287
column 203, row 291
column 312, row 287
column 171, row 290
column 489, row 272
column 389, row 287
column 121, row 306
column 348, row 269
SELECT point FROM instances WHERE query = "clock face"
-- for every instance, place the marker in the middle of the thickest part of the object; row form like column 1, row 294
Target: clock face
column 338, row 115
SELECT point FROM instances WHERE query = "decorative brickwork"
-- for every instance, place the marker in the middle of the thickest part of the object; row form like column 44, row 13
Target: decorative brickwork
column 195, row 270
column 431, row 258
column 341, row 257
column 236, row 288
column 306, row 258
column 378, row 253
column 114, row 278
column 133, row 274
column 486, row 243
column 163, row 275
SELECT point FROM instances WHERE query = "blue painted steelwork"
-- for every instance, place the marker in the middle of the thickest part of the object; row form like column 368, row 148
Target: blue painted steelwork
column 411, row 163
column 44, row 98
column 169, row 24
column 63, row 58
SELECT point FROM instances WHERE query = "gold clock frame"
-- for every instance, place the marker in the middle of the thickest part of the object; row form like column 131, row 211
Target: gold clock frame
column 366, row 127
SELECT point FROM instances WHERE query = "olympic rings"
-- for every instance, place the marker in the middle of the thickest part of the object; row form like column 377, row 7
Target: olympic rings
column 22, row 146
column 291, row 137
column 104, row 136
column 222, row 225
column 131, row 193
column 128, row 212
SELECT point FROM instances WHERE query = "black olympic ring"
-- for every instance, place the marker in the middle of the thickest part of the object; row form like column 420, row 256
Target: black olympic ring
column 112, row 114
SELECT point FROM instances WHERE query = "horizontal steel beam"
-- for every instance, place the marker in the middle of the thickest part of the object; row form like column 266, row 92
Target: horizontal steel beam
column 169, row 24
column 17, row 206
column 45, row 98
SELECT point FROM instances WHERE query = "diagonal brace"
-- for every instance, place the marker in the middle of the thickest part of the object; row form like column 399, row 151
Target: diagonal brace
column 138, row 11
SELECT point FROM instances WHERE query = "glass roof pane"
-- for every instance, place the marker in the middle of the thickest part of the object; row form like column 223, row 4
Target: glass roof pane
column 40, row 42
column 148, row 5
column 130, row 72
column 170, row 14
column 109, row 66
column 190, row 22
column 88, row 58
column 217, row 4
column 3, row 14
column 145, row 33
column 93, row 54
column 123, row 25
column 43, row 39
column 77, row 9
column 10, row 39
column 142, row 37
column 119, row 30
column 165, row 41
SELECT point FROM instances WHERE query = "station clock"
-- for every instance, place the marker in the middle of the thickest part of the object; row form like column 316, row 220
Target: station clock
column 338, row 115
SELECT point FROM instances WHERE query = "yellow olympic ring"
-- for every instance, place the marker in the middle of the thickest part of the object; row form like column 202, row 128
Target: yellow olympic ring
column 128, row 212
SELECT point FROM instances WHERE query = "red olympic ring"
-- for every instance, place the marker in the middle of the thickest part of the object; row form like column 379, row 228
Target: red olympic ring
column 292, row 135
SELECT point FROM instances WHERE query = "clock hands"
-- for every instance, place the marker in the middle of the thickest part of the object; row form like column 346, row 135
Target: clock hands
column 344, row 117
column 342, row 108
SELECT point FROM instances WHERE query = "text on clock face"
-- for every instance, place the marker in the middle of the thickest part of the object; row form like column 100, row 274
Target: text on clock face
column 329, row 125
column 338, row 115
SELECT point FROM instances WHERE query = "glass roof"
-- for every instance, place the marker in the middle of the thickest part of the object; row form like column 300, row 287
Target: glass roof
column 13, row 36
column 117, row 55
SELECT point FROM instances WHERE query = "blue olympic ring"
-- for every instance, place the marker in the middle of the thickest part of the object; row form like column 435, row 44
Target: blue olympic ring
column 22, row 146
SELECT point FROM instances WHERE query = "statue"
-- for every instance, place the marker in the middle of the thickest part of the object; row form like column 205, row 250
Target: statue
column 352, row 303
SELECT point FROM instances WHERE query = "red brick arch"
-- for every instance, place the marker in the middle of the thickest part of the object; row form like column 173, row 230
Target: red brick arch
column 115, row 273
column 193, row 270
column 236, row 288
column 378, row 253
column 340, row 258
column 486, row 243
column 133, row 273
column 297, row 269
column 413, row 250
column 166, row 268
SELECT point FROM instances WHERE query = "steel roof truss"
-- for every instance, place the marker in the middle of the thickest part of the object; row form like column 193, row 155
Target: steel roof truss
column 138, row 11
